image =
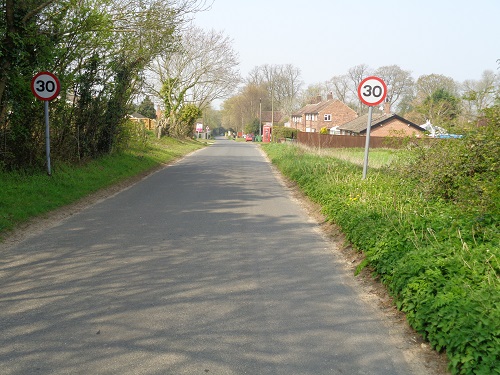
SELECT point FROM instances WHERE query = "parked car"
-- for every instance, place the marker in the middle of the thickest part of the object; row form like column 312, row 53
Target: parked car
column 249, row 137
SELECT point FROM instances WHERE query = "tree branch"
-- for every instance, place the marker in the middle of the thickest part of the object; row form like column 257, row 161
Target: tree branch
column 37, row 10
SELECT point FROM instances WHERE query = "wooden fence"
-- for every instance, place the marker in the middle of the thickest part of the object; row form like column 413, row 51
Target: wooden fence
column 148, row 123
column 353, row 141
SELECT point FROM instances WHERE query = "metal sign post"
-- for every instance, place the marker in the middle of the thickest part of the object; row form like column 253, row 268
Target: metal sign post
column 367, row 143
column 45, row 86
column 47, row 136
column 371, row 91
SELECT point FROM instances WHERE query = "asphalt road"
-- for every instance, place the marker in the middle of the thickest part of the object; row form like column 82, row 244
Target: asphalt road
column 205, row 267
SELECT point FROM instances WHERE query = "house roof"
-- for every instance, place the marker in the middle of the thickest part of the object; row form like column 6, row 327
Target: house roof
column 137, row 115
column 359, row 124
column 315, row 108
column 267, row 116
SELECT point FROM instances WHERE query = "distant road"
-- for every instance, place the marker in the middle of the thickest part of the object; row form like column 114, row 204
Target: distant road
column 205, row 267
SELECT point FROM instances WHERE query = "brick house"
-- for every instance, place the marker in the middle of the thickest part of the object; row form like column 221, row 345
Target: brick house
column 268, row 118
column 328, row 113
column 383, row 125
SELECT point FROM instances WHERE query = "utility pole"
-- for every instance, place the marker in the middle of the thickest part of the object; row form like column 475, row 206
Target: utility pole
column 260, row 118
column 272, row 104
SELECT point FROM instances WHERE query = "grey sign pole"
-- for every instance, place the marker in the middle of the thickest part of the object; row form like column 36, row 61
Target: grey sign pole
column 371, row 91
column 47, row 136
column 45, row 86
column 367, row 143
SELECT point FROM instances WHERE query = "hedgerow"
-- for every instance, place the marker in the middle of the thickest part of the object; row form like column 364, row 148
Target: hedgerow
column 436, row 251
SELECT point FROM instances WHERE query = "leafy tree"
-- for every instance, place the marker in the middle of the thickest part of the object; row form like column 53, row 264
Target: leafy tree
column 147, row 108
column 98, row 49
column 243, row 108
column 441, row 108
column 188, row 115
column 26, row 47
column 253, row 127
column 232, row 113
column 436, row 99
column 212, row 118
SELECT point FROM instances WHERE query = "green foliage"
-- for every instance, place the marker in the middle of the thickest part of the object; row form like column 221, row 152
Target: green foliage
column 253, row 127
column 282, row 132
column 464, row 171
column 181, row 116
column 188, row 115
column 441, row 107
column 97, row 52
column 147, row 108
column 168, row 92
column 438, row 258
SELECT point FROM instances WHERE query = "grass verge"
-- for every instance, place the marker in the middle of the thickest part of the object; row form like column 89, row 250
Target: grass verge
column 439, row 261
column 26, row 195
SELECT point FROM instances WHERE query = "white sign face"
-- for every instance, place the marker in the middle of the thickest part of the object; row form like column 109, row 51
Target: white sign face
column 45, row 86
column 372, row 91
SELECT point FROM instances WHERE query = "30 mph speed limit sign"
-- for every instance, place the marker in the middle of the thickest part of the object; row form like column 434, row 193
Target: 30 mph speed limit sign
column 45, row 86
column 372, row 91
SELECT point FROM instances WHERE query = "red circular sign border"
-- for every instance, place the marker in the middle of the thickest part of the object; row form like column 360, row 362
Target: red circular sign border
column 383, row 97
column 58, row 86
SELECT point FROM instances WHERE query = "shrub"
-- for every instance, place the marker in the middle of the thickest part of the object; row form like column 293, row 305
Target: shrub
column 281, row 132
column 463, row 171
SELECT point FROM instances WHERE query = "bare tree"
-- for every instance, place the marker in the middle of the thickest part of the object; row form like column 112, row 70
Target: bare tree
column 288, row 87
column 201, row 70
column 399, row 82
column 283, row 84
column 256, row 76
column 356, row 74
column 478, row 95
column 339, row 86
column 426, row 85
column 311, row 93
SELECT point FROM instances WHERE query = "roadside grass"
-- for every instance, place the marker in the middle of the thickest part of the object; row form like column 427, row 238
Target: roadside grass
column 439, row 260
column 26, row 195
column 377, row 158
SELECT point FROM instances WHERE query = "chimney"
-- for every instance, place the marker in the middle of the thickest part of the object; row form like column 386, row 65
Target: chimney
column 329, row 96
column 158, row 112
column 387, row 108
column 319, row 99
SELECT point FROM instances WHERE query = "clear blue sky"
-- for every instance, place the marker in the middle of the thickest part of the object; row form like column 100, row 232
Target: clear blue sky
column 324, row 38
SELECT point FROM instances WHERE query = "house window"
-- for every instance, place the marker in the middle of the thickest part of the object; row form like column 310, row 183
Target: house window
column 328, row 117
